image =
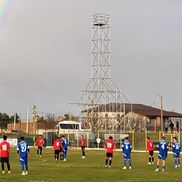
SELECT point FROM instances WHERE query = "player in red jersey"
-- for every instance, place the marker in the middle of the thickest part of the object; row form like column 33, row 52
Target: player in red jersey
column 39, row 143
column 4, row 153
column 150, row 149
column 109, row 148
column 57, row 145
column 83, row 144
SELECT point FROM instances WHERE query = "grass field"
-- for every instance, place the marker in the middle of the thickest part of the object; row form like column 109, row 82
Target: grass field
column 75, row 169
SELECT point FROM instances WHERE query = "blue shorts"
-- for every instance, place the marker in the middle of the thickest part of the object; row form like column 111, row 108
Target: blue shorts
column 23, row 161
column 126, row 156
column 162, row 157
column 176, row 155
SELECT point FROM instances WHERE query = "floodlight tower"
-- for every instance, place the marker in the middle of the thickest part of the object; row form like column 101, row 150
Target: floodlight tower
column 34, row 119
column 100, row 90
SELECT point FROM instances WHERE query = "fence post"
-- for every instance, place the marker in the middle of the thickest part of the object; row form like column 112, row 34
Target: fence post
column 179, row 139
column 159, row 135
column 171, row 141
column 96, row 139
column 87, row 141
column 68, row 135
column 120, row 139
column 146, row 133
column 133, row 138
column 77, row 140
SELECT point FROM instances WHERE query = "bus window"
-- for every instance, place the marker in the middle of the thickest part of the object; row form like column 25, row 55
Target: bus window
column 77, row 126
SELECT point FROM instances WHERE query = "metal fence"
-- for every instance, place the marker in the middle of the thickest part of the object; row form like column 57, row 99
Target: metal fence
column 97, row 139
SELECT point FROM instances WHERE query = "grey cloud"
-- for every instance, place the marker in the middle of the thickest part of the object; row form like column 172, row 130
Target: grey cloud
column 45, row 51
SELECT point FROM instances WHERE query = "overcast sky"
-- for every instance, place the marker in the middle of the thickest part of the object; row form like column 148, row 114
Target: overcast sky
column 45, row 52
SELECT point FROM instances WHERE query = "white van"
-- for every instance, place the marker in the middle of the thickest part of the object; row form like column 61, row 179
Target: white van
column 71, row 127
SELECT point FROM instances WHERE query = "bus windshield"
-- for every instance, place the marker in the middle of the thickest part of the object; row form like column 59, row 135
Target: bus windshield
column 69, row 126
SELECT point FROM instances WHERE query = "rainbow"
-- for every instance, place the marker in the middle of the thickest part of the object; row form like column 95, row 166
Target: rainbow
column 5, row 6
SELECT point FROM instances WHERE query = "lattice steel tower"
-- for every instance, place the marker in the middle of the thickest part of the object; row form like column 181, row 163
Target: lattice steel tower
column 101, row 94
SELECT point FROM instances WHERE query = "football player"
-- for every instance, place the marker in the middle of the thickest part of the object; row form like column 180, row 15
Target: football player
column 23, row 155
column 150, row 149
column 4, row 153
column 162, row 156
column 176, row 152
column 109, row 148
column 126, row 148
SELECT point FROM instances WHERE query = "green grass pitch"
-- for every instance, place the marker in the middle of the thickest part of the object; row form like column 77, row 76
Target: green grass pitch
column 75, row 169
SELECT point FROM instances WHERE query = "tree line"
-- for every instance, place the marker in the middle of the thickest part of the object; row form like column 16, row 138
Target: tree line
column 47, row 121
column 5, row 119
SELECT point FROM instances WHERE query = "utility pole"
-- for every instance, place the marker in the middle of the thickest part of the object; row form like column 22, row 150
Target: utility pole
column 27, row 128
column 124, row 126
column 14, row 125
column 69, row 115
column 20, row 122
column 161, row 107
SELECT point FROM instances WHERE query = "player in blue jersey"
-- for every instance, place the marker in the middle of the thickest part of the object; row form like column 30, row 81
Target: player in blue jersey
column 176, row 152
column 163, row 150
column 65, row 147
column 126, row 148
column 23, row 155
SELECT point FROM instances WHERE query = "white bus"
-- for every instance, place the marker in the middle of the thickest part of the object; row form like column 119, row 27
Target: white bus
column 72, row 127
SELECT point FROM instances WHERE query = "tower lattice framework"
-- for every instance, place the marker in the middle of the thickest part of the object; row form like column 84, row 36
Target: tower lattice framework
column 101, row 94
